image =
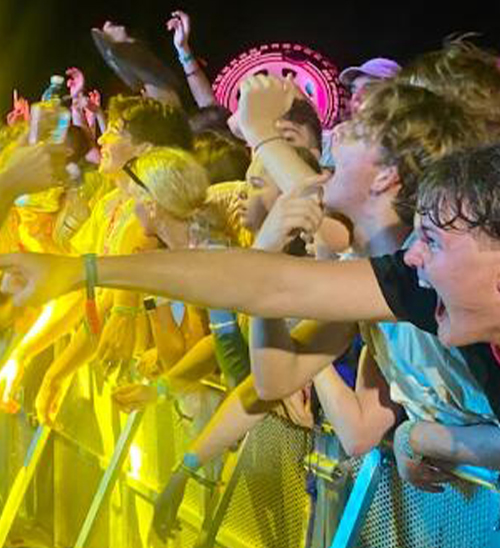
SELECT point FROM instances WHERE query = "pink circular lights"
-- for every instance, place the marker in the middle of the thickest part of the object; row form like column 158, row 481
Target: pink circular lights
column 316, row 76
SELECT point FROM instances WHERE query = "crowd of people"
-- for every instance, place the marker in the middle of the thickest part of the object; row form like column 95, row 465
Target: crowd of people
column 173, row 245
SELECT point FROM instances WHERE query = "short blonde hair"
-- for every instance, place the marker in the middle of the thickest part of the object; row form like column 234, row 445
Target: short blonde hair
column 175, row 180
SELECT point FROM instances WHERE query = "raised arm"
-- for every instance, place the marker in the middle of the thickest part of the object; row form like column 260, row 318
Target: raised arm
column 199, row 84
column 264, row 100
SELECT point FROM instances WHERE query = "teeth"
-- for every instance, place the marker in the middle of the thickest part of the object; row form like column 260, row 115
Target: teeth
column 425, row 284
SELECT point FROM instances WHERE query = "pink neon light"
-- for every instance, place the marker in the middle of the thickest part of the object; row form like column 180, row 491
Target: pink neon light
column 316, row 75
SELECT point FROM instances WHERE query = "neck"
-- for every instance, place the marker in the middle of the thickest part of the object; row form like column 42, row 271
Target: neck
column 122, row 181
column 374, row 236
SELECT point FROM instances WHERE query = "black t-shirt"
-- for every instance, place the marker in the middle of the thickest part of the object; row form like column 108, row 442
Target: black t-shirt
column 410, row 302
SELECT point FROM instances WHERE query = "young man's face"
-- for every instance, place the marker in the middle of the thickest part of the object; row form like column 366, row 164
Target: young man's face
column 358, row 90
column 355, row 170
column 463, row 268
column 117, row 148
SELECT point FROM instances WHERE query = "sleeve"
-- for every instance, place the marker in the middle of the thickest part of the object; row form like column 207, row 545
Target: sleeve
column 399, row 285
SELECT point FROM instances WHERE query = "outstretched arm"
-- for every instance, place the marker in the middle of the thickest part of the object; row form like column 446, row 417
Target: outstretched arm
column 267, row 284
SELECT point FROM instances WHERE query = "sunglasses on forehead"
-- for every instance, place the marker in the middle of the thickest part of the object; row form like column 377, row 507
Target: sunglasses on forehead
column 127, row 168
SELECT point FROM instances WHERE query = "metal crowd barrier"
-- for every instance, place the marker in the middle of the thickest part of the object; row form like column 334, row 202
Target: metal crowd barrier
column 91, row 483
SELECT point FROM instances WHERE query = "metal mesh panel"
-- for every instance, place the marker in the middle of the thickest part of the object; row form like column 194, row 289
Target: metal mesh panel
column 404, row 517
column 269, row 506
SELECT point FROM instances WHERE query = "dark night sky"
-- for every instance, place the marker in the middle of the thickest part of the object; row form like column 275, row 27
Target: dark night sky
column 42, row 37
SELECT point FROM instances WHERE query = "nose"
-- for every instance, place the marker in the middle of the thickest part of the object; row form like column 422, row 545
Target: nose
column 416, row 254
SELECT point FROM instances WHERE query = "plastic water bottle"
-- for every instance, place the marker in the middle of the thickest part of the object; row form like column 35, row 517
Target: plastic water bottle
column 55, row 89
column 50, row 120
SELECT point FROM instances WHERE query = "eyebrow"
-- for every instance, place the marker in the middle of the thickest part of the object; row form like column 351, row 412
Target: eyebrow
column 428, row 228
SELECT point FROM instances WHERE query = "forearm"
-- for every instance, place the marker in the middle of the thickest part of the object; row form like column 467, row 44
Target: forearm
column 72, row 357
column 197, row 80
column 194, row 365
column 283, row 363
column 167, row 336
column 268, row 284
column 355, row 427
column 478, row 445
column 284, row 165
column 67, row 314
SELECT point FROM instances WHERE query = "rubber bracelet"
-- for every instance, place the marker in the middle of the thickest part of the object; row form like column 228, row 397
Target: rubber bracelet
column 265, row 141
column 192, row 73
column 404, row 433
column 191, row 460
column 90, row 262
column 126, row 310
column 186, row 58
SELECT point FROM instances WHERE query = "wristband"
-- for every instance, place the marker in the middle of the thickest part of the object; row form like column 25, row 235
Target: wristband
column 126, row 310
column 191, row 460
column 186, row 58
column 192, row 73
column 90, row 261
column 265, row 141
column 404, row 433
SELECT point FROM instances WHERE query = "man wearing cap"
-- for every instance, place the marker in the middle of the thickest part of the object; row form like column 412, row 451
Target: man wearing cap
column 356, row 78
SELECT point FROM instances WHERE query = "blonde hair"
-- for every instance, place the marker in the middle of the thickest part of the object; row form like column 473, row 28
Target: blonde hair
column 179, row 184
column 175, row 180
column 463, row 72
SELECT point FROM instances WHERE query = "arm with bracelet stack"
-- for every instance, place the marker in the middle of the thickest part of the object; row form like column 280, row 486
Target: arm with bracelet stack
column 180, row 25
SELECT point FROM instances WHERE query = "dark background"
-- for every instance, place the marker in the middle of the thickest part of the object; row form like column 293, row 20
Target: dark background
column 42, row 37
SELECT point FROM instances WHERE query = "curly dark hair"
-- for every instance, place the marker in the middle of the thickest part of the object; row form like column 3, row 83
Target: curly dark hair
column 150, row 121
column 462, row 191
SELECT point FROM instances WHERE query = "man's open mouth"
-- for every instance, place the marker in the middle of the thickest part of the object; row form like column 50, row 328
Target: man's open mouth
column 440, row 313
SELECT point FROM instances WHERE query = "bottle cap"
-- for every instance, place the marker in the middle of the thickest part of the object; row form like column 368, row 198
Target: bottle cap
column 57, row 80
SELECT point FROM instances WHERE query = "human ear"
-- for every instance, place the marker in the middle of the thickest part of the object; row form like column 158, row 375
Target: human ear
column 386, row 179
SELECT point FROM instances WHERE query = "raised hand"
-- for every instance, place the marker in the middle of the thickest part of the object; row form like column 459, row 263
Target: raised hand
column 116, row 33
column 299, row 212
column 180, row 25
column 263, row 101
column 75, row 82
column 30, row 169
column 20, row 111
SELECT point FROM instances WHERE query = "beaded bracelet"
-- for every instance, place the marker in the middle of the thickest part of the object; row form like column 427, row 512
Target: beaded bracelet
column 94, row 324
column 265, row 141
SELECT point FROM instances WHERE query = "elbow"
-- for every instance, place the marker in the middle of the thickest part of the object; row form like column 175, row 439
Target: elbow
column 268, row 392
